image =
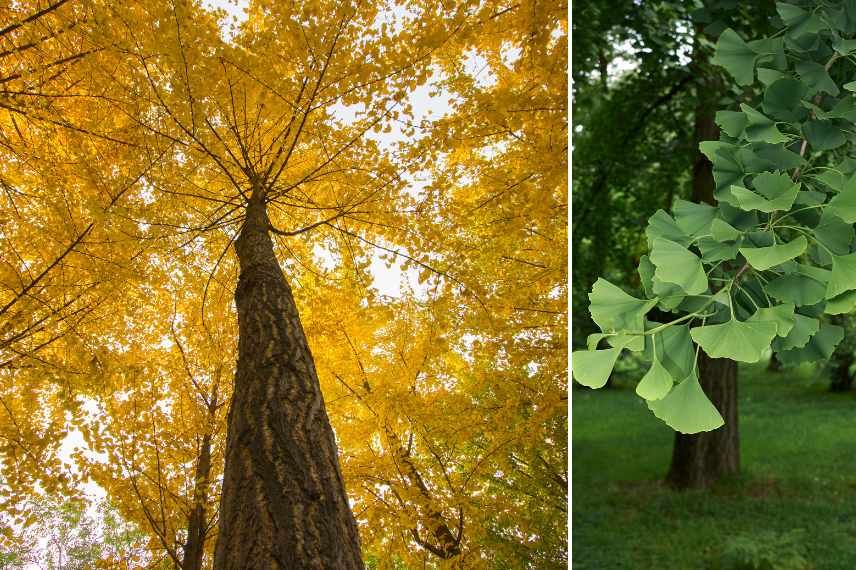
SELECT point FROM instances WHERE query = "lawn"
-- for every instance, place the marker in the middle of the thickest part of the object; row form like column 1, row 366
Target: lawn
column 796, row 496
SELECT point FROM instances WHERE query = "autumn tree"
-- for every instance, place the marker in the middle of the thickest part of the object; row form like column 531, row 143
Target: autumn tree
column 246, row 163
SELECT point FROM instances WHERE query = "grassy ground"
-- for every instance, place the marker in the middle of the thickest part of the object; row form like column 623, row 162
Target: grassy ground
column 798, row 451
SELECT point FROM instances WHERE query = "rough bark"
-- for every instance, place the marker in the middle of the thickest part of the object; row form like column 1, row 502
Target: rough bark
column 700, row 460
column 194, row 547
column 284, row 503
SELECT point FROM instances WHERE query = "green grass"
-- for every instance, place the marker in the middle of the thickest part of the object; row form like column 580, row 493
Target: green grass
column 798, row 453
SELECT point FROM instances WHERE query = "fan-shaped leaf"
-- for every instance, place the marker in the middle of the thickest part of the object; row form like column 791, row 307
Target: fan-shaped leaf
column 686, row 408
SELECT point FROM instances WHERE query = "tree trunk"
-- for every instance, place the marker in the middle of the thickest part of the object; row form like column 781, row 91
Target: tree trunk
column 775, row 365
column 701, row 459
column 840, row 377
column 194, row 548
column 284, row 503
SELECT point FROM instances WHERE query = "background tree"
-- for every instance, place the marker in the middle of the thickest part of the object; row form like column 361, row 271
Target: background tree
column 771, row 274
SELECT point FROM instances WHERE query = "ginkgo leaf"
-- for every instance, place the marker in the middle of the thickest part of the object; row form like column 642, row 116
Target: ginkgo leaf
column 764, row 258
column 741, row 341
column 687, row 409
column 692, row 218
column 676, row 264
column 798, row 336
column 843, row 204
column 713, row 250
column 806, row 286
column 592, row 367
column 674, row 349
column 782, row 315
column 735, row 55
column 721, row 230
column 760, row 128
column 611, row 308
column 749, row 200
column 731, row 122
column 656, row 383
column 843, row 276
column 662, row 225
column 646, row 275
column 727, row 170
column 834, row 233
column 816, row 77
column 844, row 303
column 819, row 347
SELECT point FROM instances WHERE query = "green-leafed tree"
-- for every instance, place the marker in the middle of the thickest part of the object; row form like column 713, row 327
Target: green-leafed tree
column 760, row 266
column 660, row 103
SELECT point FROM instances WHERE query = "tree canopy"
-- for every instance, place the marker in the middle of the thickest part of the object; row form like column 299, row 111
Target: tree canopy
column 759, row 270
column 140, row 140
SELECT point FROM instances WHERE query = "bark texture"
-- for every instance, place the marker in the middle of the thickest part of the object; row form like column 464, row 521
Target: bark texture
column 197, row 529
column 284, row 504
column 699, row 460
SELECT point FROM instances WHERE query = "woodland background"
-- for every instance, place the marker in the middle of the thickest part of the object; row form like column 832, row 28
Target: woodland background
column 417, row 153
column 777, row 490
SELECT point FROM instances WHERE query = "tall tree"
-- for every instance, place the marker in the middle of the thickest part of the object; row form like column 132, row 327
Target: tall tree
column 777, row 254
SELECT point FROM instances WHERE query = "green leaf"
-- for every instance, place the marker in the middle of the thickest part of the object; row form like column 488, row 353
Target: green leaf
column 782, row 315
column 843, row 276
column 731, row 122
column 843, row 204
column 656, row 383
column 823, row 135
column 843, row 46
column 819, row 347
column 760, row 128
column 741, row 341
column 817, row 78
column 762, row 156
column 749, row 200
column 770, row 76
column 713, row 250
column 674, row 349
column 686, row 408
column 834, row 233
column 773, row 184
column 727, row 170
column 662, row 225
column 670, row 295
column 646, row 275
column 799, row 21
column 614, row 310
column 723, row 231
column 676, row 264
column 693, row 219
column 802, row 330
column 735, row 55
column 797, row 288
column 850, row 86
column 842, row 304
column 782, row 100
column 592, row 367
column 764, row 258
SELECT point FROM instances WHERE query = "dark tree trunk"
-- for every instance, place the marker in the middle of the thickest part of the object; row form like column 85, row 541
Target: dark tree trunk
column 775, row 365
column 701, row 459
column 284, row 503
column 197, row 529
column 840, row 378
